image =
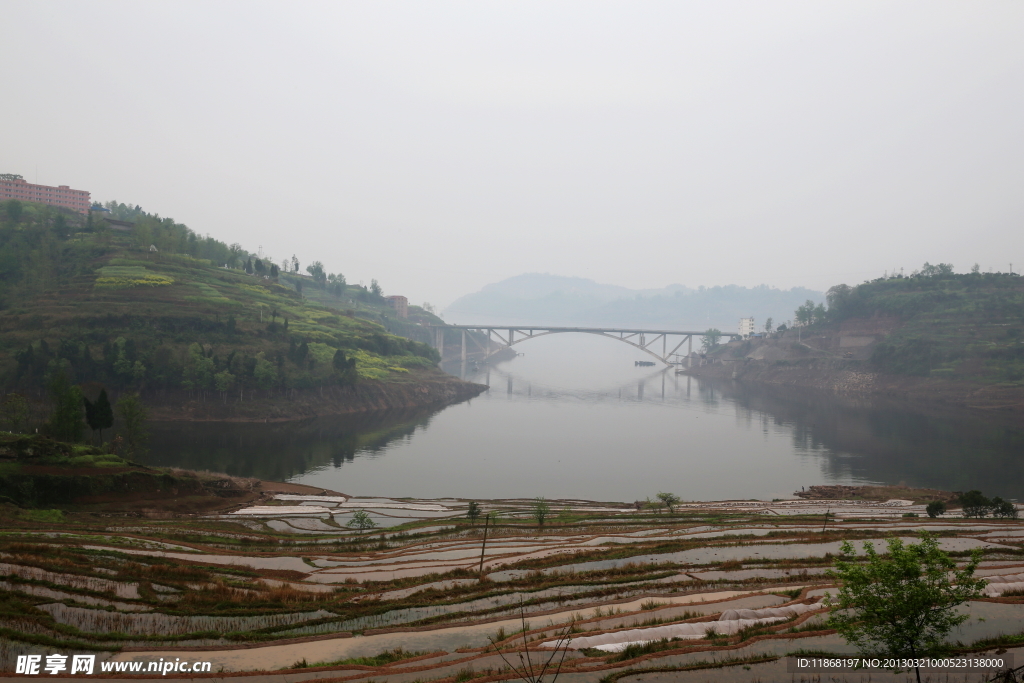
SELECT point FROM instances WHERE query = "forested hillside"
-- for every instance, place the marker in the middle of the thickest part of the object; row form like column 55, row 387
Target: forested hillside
column 154, row 308
column 968, row 325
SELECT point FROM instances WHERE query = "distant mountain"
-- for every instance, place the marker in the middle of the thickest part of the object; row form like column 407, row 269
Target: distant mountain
column 543, row 299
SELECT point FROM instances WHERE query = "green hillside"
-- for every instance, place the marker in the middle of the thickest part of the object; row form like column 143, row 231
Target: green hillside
column 957, row 326
column 154, row 307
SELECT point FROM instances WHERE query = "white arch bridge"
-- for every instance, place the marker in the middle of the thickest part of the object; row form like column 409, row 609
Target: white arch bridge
column 647, row 341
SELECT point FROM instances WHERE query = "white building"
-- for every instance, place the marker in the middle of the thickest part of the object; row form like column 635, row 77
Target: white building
column 746, row 327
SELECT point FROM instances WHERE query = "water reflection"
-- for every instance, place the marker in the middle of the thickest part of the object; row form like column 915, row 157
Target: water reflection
column 585, row 422
column 280, row 451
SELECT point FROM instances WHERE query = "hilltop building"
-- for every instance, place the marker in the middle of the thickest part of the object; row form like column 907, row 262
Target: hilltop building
column 400, row 304
column 746, row 327
column 13, row 186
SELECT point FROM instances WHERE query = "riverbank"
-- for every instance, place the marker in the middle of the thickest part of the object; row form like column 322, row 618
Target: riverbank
column 421, row 389
column 839, row 363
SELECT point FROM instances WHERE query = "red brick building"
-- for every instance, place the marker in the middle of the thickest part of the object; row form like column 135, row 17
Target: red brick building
column 14, row 187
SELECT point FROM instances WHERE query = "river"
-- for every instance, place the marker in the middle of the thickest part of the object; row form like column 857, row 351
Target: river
column 574, row 417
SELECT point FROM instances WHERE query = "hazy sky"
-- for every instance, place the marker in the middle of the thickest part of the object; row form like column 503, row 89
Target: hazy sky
column 440, row 146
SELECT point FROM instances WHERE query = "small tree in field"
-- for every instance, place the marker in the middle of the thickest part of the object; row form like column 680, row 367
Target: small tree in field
column 361, row 520
column 670, row 500
column 474, row 511
column 541, row 510
column 935, row 508
column 901, row 605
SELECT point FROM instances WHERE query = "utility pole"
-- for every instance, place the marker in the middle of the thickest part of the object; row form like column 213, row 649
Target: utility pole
column 483, row 547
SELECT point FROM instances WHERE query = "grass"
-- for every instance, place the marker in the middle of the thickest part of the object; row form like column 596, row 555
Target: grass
column 42, row 515
column 382, row 659
column 698, row 665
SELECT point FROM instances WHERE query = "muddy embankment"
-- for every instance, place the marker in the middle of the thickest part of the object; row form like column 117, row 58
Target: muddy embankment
column 428, row 389
column 839, row 363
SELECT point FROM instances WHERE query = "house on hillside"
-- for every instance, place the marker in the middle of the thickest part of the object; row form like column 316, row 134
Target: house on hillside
column 746, row 327
column 400, row 304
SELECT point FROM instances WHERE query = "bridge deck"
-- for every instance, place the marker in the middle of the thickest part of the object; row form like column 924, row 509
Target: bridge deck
column 549, row 328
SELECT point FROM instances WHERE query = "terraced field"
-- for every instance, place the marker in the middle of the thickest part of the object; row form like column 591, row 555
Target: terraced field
column 289, row 591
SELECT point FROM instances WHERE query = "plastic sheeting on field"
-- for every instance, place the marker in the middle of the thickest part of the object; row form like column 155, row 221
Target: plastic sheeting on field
column 998, row 585
column 730, row 622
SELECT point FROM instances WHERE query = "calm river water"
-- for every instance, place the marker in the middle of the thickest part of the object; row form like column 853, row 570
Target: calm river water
column 575, row 418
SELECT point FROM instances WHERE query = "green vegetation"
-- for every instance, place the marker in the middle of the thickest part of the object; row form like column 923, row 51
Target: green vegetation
column 541, row 510
column 384, row 658
column 473, row 511
column 902, row 605
column 158, row 309
column 361, row 520
column 710, row 339
column 669, row 500
column 976, row 504
column 968, row 325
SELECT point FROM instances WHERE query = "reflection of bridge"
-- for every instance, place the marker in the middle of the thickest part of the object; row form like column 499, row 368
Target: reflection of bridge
column 508, row 336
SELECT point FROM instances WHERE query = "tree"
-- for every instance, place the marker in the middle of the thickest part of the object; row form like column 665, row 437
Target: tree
column 317, row 272
column 768, row 326
column 223, row 380
column 375, row 288
column 935, row 508
column 805, row 314
column 344, row 368
column 258, row 266
column 361, row 520
column 975, row 504
column 474, row 511
column 15, row 410
column 274, row 272
column 901, row 605
column 838, row 298
column 710, row 339
column 248, row 266
column 541, row 510
column 264, row 373
column 670, row 500
column 99, row 415
column 14, row 210
column 104, row 413
column 65, row 423
column 199, row 368
column 295, row 264
column 133, row 414
column 1003, row 508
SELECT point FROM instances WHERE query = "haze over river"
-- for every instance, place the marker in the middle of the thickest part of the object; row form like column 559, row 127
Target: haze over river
column 575, row 418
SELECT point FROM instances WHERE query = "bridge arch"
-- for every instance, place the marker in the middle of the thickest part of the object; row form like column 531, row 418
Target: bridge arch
column 642, row 339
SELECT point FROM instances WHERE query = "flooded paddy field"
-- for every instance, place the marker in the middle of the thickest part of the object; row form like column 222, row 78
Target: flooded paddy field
column 295, row 596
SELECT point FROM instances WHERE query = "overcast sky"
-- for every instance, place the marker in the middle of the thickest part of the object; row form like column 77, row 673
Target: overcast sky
column 441, row 146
